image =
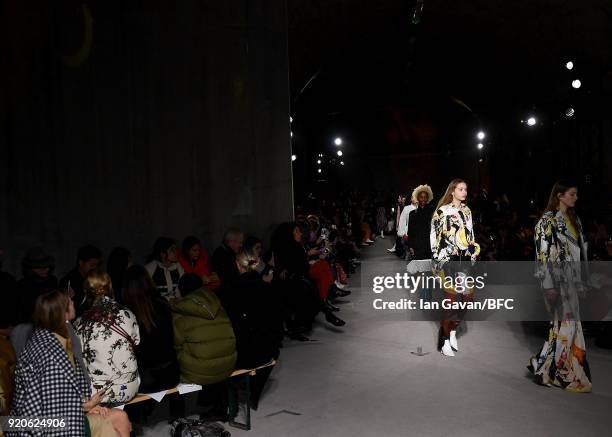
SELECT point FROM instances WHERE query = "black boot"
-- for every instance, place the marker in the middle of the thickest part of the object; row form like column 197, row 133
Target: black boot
column 328, row 305
column 336, row 321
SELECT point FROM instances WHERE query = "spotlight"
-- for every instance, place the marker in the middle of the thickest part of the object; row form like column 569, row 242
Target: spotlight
column 341, row 162
column 318, row 161
column 480, row 146
column 569, row 65
column 481, row 135
column 531, row 121
column 576, row 83
column 320, row 155
column 290, row 119
column 339, row 152
column 569, row 112
column 338, row 141
column 480, row 160
column 293, row 157
column 392, row 209
column 291, row 134
column 319, row 170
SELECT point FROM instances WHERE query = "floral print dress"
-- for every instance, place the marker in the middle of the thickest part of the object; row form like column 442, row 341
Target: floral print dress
column 562, row 361
column 109, row 335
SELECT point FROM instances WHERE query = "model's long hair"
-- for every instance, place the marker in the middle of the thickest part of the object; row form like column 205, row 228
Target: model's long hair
column 448, row 195
column 561, row 187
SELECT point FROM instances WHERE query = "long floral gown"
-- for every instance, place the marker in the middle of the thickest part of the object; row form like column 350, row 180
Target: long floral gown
column 562, row 361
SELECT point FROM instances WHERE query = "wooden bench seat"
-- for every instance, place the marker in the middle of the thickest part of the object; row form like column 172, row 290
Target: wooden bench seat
column 233, row 394
column 141, row 397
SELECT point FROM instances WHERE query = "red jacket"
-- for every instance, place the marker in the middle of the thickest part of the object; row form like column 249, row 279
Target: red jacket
column 201, row 268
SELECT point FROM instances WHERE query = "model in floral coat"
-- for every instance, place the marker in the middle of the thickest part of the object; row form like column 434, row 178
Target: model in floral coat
column 452, row 240
column 560, row 248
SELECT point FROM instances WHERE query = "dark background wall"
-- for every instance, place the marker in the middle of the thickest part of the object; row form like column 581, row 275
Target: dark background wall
column 122, row 121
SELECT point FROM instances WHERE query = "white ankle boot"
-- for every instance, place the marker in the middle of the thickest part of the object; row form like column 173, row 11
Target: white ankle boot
column 447, row 349
column 453, row 340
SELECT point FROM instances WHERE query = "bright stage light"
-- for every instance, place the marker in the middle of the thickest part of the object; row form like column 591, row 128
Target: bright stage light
column 569, row 112
column 341, row 162
column 293, row 157
column 318, row 161
column 480, row 146
column 576, row 83
column 338, row 141
column 481, row 135
column 339, row 152
column 531, row 121
column 569, row 65
column 319, row 170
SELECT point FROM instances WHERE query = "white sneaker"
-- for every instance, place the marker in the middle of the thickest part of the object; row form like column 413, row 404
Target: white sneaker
column 382, row 235
column 453, row 340
column 392, row 250
column 447, row 350
column 340, row 285
column 369, row 241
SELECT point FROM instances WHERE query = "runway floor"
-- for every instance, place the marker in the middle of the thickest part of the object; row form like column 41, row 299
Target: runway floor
column 363, row 380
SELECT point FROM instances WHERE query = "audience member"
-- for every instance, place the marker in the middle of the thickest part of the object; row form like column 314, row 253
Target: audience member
column 194, row 259
column 109, row 334
column 37, row 267
column 10, row 304
column 224, row 257
column 164, row 268
column 50, row 383
column 88, row 258
column 157, row 364
column 117, row 263
column 203, row 336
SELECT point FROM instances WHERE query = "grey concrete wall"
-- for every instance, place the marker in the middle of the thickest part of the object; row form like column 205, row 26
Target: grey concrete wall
column 175, row 122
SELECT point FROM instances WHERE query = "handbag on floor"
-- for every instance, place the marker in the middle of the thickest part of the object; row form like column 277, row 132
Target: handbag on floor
column 184, row 427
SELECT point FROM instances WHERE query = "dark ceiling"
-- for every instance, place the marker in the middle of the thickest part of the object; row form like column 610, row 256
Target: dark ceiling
column 482, row 51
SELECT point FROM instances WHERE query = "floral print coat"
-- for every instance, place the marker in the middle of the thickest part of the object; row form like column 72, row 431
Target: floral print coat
column 109, row 335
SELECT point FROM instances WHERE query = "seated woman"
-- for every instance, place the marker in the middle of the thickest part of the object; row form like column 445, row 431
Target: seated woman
column 255, row 314
column 49, row 382
column 117, row 263
column 292, row 276
column 194, row 259
column 203, row 336
column 157, row 364
column 109, row 334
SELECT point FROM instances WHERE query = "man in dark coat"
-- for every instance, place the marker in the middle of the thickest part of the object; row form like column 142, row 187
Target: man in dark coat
column 224, row 257
column 88, row 258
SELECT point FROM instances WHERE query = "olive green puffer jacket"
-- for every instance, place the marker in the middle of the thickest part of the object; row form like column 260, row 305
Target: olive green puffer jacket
column 203, row 338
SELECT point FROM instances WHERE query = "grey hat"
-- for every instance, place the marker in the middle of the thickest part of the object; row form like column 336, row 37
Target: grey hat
column 37, row 258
